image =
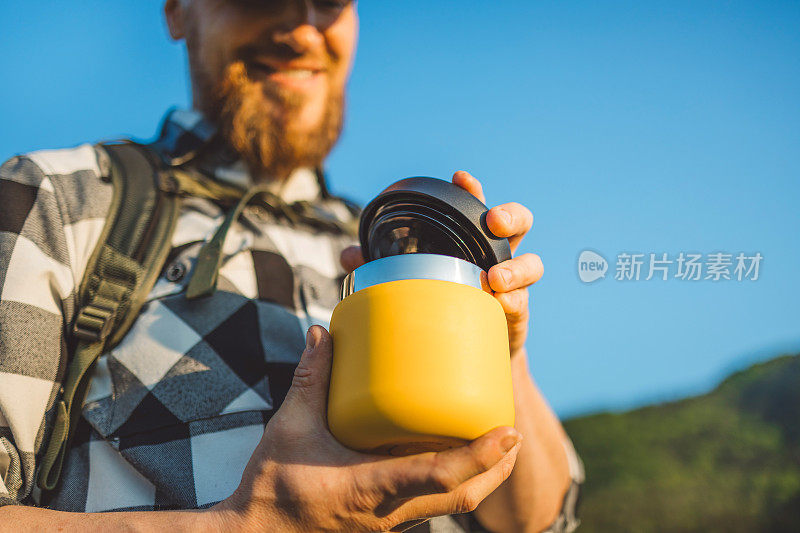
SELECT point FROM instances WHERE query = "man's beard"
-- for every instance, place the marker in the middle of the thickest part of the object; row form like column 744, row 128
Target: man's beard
column 257, row 122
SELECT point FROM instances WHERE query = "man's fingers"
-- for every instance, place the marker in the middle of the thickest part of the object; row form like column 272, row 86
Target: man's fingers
column 351, row 258
column 516, row 273
column 463, row 498
column 312, row 374
column 510, row 220
column 441, row 472
column 468, row 182
column 472, row 492
column 515, row 306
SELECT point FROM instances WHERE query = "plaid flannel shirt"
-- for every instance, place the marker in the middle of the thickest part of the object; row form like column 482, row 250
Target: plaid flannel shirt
column 176, row 409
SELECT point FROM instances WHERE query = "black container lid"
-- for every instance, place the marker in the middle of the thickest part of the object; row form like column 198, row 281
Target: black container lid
column 429, row 215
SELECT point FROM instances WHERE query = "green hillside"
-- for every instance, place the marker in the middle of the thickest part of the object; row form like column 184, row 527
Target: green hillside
column 725, row 461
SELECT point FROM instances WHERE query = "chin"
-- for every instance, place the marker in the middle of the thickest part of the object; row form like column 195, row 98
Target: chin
column 307, row 119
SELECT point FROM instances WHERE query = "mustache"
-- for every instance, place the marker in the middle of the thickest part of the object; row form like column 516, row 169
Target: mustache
column 279, row 52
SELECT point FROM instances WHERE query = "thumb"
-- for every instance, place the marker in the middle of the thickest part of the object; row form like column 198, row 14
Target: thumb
column 313, row 373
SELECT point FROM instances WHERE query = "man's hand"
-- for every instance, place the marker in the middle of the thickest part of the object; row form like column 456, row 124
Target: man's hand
column 508, row 280
column 301, row 479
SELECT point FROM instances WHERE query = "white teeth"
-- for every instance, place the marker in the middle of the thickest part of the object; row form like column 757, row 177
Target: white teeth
column 300, row 74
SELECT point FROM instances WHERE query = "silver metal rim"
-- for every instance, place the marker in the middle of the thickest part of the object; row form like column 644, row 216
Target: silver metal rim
column 412, row 266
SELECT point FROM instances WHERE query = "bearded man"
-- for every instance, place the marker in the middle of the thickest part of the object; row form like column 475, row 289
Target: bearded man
column 210, row 413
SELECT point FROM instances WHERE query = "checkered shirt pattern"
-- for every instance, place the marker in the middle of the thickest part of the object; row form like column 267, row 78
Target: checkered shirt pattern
column 176, row 409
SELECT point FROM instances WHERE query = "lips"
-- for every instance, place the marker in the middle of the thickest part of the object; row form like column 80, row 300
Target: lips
column 291, row 70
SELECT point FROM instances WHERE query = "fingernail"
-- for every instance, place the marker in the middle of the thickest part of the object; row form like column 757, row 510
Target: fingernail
column 509, row 442
column 506, row 217
column 311, row 342
column 485, row 282
column 506, row 275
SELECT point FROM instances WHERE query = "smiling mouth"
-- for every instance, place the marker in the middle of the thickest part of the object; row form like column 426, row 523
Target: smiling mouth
column 293, row 73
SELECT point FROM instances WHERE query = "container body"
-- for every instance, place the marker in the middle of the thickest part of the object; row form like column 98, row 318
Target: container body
column 419, row 365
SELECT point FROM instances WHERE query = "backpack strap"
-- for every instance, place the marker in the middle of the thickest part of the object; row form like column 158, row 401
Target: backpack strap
column 206, row 272
column 121, row 272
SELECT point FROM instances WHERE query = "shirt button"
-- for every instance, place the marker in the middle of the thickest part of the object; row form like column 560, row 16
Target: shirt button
column 176, row 271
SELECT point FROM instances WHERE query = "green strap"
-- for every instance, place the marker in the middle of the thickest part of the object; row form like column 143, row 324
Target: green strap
column 120, row 273
column 312, row 215
column 206, row 271
column 95, row 318
column 195, row 184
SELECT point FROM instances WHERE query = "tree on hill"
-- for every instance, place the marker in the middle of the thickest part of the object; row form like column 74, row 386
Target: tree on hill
column 725, row 461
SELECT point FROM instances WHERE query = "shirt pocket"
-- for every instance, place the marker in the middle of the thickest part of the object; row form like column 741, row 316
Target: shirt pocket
column 184, row 398
column 184, row 361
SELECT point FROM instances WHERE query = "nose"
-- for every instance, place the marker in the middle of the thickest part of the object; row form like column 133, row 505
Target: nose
column 300, row 29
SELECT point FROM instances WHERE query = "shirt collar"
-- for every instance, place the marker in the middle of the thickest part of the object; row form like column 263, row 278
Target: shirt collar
column 187, row 133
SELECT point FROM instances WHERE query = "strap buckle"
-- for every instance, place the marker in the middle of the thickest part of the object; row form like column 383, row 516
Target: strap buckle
column 94, row 321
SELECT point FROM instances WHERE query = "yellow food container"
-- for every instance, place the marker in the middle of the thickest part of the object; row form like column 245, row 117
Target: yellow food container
column 421, row 360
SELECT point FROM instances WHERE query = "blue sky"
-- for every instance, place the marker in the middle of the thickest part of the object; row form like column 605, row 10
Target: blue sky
column 624, row 126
